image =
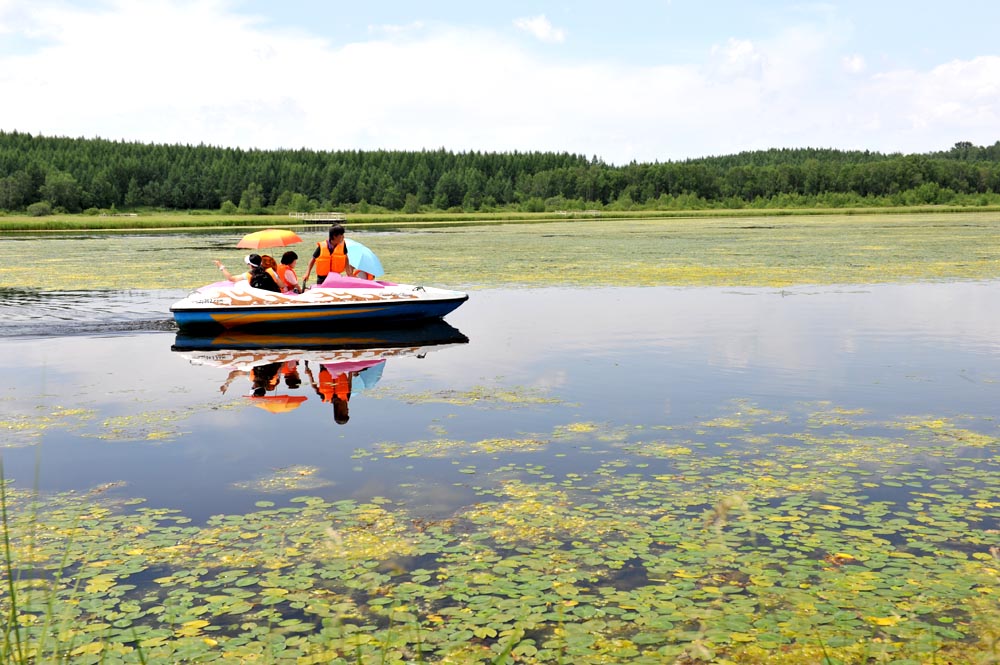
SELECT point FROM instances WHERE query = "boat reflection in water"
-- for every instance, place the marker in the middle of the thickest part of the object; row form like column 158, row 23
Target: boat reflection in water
column 333, row 365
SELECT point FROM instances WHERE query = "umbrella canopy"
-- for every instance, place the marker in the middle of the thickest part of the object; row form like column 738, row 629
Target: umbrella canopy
column 269, row 238
column 363, row 258
column 277, row 403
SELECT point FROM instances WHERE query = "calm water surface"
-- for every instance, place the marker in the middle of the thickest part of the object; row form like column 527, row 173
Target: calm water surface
column 100, row 389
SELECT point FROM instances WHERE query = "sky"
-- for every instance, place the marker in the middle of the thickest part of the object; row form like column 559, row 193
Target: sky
column 623, row 81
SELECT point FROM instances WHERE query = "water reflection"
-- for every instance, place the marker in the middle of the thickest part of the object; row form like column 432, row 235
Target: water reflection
column 279, row 372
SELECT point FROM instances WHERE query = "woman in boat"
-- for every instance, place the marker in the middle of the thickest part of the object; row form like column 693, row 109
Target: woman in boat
column 259, row 274
column 262, row 277
column 286, row 273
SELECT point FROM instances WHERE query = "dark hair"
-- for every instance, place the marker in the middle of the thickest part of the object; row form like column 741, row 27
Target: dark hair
column 254, row 259
column 288, row 257
column 336, row 230
column 340, row 413
column 262, row 375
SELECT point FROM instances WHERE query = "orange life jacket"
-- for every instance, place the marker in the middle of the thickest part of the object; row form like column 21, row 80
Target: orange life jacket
column 282, row 270
column 328, row 262
column 361, row 274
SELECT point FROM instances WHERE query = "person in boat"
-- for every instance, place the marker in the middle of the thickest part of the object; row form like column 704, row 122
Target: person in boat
column 268, row 263
column 330, row 256
column 265, row 278
column 333, row 389
column 261, row 277
column 286, row 273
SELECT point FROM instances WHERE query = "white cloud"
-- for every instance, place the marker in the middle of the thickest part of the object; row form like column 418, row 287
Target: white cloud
column 396, row 29
column 959, row 98
column 181, row 72
column 854, row 64
column 738, row 58
column 541, row 28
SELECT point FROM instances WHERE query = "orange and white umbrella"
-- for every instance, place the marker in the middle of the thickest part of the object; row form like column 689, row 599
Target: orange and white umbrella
column 269, row 238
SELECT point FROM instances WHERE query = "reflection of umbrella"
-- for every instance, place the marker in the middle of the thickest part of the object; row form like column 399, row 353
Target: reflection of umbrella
column 269, row 238
column 277, row 403
column 363, row 258
column 367, row 378
column 366, row 372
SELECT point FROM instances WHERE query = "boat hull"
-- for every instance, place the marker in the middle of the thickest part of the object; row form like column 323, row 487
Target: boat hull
column 241, row 306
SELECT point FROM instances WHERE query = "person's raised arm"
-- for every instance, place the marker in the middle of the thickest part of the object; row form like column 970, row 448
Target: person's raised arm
column 312, row 262
column 222, row 268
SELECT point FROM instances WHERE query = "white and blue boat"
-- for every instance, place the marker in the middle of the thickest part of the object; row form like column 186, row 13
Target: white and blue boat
column 344, row 302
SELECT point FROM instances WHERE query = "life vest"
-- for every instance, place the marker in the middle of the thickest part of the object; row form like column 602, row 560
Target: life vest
column 361, row 274
column 327, row 262
column 334, row 386
column 284, row 270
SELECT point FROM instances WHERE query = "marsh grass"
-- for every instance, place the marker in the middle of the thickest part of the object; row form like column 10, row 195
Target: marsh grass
column 206, row 219
column 731, row 251
column 30, row 642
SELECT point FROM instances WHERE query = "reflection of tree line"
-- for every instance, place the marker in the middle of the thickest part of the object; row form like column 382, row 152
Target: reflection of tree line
column 331, row 386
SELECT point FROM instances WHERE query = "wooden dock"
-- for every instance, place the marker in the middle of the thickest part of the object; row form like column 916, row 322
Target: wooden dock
column 319, row 216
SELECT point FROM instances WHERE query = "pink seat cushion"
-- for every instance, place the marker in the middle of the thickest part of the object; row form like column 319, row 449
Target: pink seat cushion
column 334, row 281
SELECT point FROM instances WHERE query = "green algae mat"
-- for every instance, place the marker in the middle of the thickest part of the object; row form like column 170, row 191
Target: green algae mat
column 703, row 251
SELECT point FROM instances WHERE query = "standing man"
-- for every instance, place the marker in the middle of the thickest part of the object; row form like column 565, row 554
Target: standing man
column 330, row 256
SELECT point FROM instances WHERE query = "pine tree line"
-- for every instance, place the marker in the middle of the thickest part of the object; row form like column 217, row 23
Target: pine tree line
column 40, row 173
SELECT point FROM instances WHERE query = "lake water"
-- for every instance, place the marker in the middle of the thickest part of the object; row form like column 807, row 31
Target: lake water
column 540, row 386
column 157, row 421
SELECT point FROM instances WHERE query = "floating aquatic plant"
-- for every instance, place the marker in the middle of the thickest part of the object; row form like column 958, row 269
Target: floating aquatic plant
column 695, row 251
column 719, row 545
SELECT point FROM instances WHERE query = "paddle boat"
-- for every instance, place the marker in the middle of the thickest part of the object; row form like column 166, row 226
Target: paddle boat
column 339, row 302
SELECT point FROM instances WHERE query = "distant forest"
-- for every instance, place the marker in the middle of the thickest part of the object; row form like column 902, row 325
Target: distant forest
column 40, row 175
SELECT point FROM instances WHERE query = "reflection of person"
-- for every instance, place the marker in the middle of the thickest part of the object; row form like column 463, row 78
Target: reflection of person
column 264, row 378
column 286, row 273
column 330, row 256
column 333, row 389
column 290, row 370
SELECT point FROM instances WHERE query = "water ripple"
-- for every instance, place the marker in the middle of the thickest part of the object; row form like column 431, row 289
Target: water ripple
column 27, row 312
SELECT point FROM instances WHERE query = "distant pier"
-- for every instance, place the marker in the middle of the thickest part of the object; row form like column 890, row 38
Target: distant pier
column 319, row 216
